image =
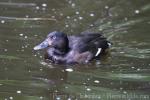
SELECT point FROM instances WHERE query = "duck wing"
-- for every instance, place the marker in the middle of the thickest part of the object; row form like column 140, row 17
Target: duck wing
column 81, row 40
column 84, row 48
column 94, row 43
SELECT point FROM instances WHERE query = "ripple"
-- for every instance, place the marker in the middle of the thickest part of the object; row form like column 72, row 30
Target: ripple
column 30, row 19
column 17, row 4
column 8, row 57
column 129, row 76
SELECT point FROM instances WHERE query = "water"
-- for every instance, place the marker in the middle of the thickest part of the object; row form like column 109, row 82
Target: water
column 121, row 75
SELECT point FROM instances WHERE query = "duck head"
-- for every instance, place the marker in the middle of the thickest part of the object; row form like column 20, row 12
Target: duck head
column 57, row 40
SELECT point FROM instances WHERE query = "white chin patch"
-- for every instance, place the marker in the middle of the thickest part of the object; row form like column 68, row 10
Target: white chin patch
column 98, row 51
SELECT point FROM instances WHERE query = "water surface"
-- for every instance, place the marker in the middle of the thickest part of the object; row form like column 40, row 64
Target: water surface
column 121, row 75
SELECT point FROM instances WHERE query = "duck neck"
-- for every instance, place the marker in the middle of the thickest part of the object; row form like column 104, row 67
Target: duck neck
column 61, row 51
column 63, row 46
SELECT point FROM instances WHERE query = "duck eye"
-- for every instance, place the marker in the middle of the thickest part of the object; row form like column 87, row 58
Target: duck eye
column 53, row 37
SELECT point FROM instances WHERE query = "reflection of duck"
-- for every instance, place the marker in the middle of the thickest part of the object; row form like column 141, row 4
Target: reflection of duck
column 73, row 49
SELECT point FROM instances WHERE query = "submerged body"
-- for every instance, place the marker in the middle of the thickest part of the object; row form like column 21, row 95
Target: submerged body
column 73, row 49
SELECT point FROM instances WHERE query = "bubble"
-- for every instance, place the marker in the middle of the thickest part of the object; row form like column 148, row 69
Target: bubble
column 52, row 16
column 69, row 98
column 26, row 37
column 26, row 46
column 27, row 16
column 77, row 13
column 40, row 56
column 58, row 98
column 125, row 18
column 35, row 35
column 43, row 9
column 100, row 29
column 125, row 92
column 67, row 25
column 66, row 87
column 99, row 97
column 45, row 79
column 91, row 25
column 11, row 98
column 61, row 14
column 75, row 20
column 44, row 5
column 96, row 81
column 41, row 97
column 5, row 50
column 92, row 15
column 68, row 17
column 69, row 2
column 37, row 7
column 21, row 34
column 35, row 55
column 2, row 21
column 88, row 89
column 122, row 52
column 138, row 69
column 80, row 18
column 22, row 47
column 73, row 4
column 121, row 88
column 53, row 9
column 106, row 7
column 137, row 11
column 84, row 83
column 69, row 70
column 132, row 67
column 18, row 91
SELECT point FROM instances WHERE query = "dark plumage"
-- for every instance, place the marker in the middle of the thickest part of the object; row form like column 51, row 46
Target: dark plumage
column 73, row 49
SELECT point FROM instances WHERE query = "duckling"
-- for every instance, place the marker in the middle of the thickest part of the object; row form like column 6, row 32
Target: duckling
column 80, row 48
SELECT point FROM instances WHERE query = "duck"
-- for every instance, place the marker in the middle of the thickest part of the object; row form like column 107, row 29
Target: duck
column 70, row 49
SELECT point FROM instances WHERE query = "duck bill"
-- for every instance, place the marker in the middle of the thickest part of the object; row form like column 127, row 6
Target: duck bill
column 42, row 45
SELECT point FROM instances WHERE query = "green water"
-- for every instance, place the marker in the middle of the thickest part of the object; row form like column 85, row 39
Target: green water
column 124, row 74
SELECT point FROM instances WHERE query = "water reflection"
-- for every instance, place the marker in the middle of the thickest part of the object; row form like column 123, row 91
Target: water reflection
column 124, row 74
